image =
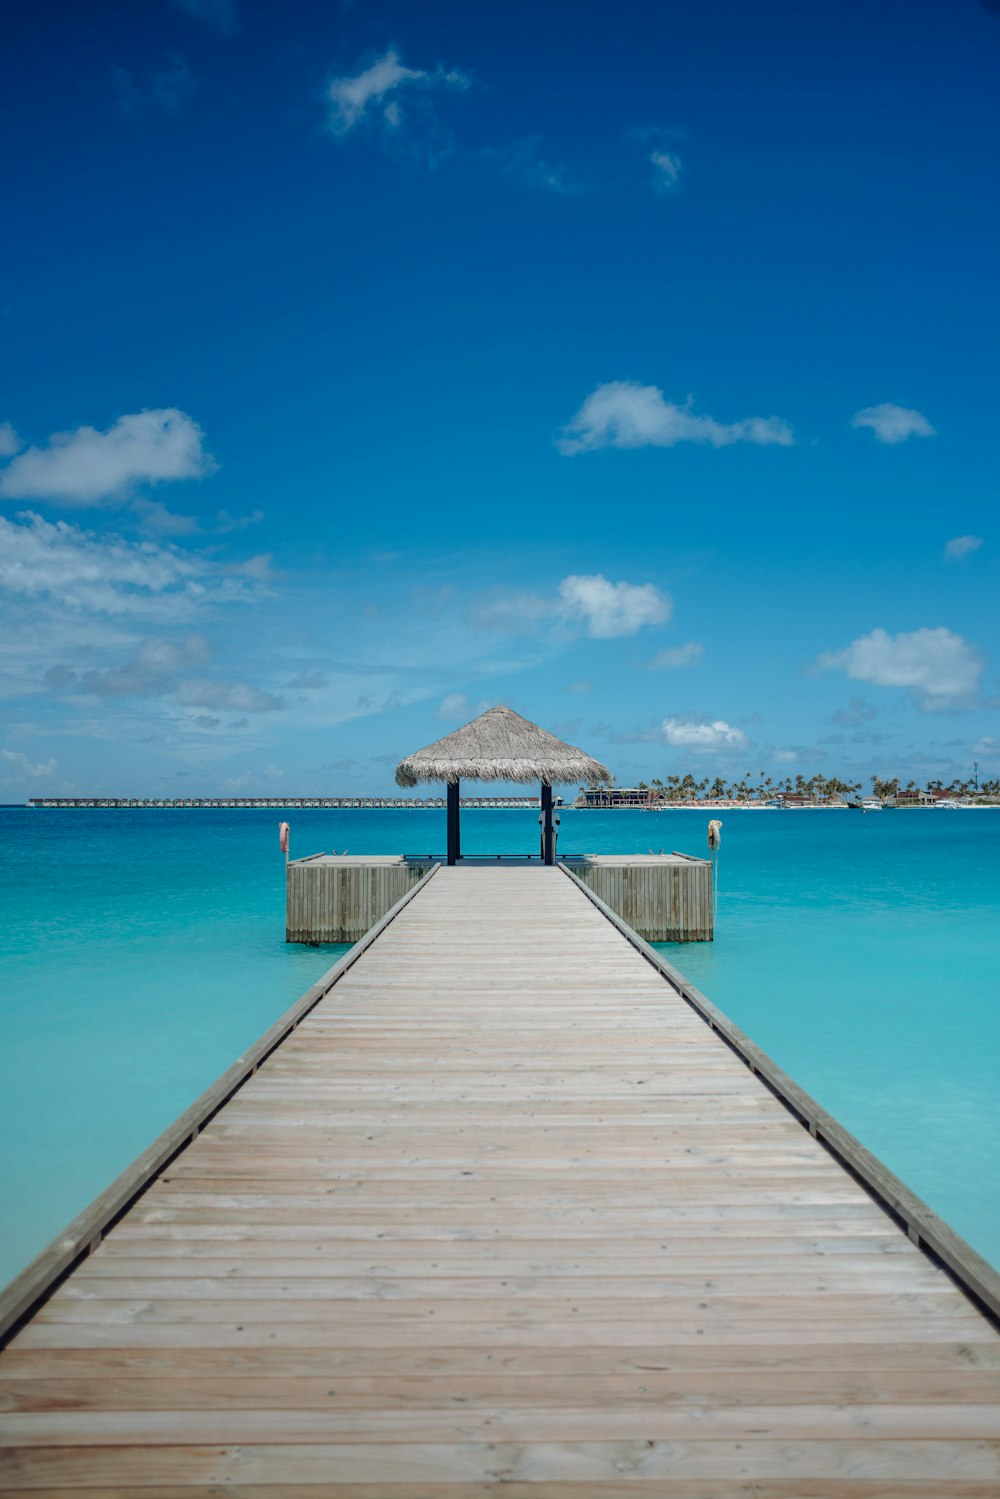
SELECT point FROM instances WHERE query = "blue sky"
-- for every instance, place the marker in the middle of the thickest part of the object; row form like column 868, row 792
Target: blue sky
column 366, row 364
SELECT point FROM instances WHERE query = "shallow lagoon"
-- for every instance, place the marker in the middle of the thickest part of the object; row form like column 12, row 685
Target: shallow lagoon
column 141, row 951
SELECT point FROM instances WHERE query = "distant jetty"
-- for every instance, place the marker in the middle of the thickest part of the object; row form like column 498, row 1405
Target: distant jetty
column 405, row 803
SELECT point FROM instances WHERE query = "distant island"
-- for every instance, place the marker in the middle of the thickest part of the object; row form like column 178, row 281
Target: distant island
column 802, row 791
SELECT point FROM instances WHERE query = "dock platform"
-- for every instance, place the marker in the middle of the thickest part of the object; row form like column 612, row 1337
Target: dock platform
column 339, row 897
column 503, row 1213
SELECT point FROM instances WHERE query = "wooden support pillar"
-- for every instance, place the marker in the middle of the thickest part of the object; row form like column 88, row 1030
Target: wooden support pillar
column 454, row 833
column 548, row 838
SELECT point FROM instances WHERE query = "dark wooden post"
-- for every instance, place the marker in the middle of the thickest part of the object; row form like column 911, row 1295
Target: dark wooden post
column 454, row 835
column 548, row 841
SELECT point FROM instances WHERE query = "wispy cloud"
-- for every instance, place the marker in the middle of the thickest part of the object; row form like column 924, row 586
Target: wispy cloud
column 87, row 467
column 150, row 672
column 677, row 657
column 19, row 768
column 203, row 692
column 961, row 546
column 167, row 87
column 453, row 707
column 657, row 143
column 583, row 601
column 156, row 519
column 312, row 679
column 78, row 570
column 457, row 708
column 220, row 15
column 624, row 414
column 715, row 734
column 10, row 443
column 941, row 668
column 385, row 95
column 893, row 424
column 857, row 711
column 667, row 171
column 523, row 162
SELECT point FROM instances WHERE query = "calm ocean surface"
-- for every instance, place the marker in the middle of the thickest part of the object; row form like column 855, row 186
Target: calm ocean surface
column 141, row 951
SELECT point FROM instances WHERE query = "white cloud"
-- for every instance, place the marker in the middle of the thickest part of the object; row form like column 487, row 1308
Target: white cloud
column 893, row 423
column 677, row 657
column 961, row 546
column 939, row 666
column 988, row 745
column 10, row 443
column 785, row 757
column 78, row 570
column 667, row 169
column 201, row 692
column 608, row 609
column 691, row 734
column 603, row 609
column 87, row 467
column 375, row 93
column 624, row 414
column 21, row 768
column 219, row 14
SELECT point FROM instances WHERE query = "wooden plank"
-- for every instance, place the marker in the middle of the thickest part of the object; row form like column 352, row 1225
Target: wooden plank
column 667, row 1487
column 503, row 1462
column 728, row 1389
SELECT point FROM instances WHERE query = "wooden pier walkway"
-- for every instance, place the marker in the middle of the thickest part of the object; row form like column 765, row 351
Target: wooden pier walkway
column 504, row 1215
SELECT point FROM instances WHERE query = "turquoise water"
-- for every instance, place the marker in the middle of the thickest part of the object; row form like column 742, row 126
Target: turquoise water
column 141, row 951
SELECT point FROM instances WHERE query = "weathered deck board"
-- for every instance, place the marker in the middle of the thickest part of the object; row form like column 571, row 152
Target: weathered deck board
column 502, row 1213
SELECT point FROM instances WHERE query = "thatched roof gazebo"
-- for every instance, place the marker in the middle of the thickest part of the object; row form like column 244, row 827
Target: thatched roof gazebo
column 500, row 745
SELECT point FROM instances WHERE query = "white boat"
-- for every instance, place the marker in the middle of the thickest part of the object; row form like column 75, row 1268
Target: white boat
column 949, row 804
column 871, row 804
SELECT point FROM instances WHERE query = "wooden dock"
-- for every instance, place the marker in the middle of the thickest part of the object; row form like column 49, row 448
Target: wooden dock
column 503, row 1214
column 339, row 897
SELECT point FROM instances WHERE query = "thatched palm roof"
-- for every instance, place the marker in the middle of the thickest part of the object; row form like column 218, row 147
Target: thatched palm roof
column 500, row 745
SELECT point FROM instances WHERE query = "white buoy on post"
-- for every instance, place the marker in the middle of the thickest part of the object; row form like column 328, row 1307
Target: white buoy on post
column 284, row 832
column 714, row 844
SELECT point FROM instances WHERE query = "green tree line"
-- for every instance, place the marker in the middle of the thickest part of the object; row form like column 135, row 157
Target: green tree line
column 759, row 786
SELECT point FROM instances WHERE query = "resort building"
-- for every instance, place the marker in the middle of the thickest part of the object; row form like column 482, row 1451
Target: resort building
column 616, row 796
